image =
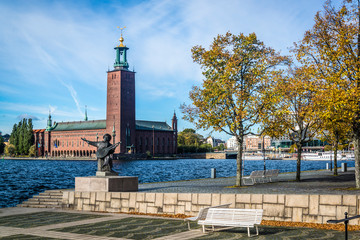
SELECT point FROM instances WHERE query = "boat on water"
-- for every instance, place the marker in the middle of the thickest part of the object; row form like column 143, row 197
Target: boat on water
column 327, row 156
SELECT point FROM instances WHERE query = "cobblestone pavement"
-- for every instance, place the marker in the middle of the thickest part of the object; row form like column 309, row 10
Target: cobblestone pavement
column 22, row 223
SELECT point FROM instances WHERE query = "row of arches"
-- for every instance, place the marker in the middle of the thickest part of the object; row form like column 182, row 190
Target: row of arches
column 73, row 153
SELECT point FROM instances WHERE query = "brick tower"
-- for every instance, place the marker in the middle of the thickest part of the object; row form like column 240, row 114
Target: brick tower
column 120, row 108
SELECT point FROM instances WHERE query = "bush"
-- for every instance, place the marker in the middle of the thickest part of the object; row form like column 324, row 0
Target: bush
column 10, row 150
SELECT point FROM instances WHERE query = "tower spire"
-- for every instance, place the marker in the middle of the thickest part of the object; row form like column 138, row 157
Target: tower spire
column 49, row 122
column 86, row 117
column 174, row 122
column 121, row 60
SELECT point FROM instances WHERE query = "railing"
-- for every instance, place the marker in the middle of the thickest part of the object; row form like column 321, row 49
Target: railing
column 346, row 221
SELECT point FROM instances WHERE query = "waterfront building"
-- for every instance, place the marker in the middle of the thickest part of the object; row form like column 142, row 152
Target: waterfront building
column 284, row 143
column 231, row 143
column 251, row 143
column 255, row 143
column 63, row 139
column 214, row 142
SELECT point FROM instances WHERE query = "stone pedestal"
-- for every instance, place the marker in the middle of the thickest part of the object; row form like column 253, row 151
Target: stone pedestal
column 106, row 184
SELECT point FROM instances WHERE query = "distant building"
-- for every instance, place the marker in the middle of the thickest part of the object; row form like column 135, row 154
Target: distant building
column 63, row 139
column 257, row 143
column 214, row 142
column 251, row 143
column 284, row 143
column 231, row 143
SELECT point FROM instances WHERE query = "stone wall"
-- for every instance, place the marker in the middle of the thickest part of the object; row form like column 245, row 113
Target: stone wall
column 279, row 207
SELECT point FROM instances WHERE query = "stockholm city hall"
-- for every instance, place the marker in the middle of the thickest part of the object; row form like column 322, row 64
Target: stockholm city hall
column 63, row 139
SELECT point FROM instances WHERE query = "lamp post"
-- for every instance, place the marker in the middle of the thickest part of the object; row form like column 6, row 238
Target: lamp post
column 153, row 140
column 263, row 145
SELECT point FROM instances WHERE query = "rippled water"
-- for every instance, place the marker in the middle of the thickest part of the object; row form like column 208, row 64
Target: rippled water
column 20, row 179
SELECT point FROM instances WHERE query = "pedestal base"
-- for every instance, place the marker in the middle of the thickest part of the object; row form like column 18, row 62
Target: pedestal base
column 105, row 174
column 106, row 184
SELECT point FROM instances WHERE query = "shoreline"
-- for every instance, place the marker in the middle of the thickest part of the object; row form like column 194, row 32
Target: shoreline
column 156, row 158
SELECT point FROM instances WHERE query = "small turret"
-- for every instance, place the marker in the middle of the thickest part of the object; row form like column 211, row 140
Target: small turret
column 174, row 122
column 49, row 123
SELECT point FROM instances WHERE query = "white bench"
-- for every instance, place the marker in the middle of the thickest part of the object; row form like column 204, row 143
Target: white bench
column 203, row 212
column 233, row 217
column 269, row 174
column 254, row 176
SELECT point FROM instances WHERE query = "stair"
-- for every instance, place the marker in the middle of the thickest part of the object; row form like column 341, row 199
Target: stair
column 47, row 199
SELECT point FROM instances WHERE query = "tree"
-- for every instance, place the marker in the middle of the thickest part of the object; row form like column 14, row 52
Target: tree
column 331, row 49
column 32, row 151
column 334, row 130
column 236, row 68
column 293, row 114
column 189, row 137
column 22, row 136
column 2, row 145
column 190, row 141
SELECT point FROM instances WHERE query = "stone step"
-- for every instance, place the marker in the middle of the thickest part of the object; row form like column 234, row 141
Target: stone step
column 40, row 206
column 42, row 203
column 51, row 194
column 47, row 199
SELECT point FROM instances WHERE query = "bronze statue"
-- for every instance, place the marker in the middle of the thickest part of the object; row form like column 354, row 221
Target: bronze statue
column 104, row 150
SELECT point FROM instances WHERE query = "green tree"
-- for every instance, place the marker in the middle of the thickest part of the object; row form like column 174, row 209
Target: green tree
column 189, row 141
column 237, row 69
column 22, row 136
column 331, row 49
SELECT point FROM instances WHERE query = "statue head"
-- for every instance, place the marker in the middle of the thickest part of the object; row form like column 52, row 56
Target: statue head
column 107, row 137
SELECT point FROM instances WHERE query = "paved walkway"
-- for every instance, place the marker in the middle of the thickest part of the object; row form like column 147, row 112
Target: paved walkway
column 31, row 223
column 312, row 182
column 101, row 226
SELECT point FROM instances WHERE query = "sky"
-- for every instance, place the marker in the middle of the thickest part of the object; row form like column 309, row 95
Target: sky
column 54, row 55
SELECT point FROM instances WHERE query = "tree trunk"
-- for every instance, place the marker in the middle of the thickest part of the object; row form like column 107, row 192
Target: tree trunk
column 239, row 162
column 298, row 162
column 356, row 130
column 335, row 158
column 356, row 141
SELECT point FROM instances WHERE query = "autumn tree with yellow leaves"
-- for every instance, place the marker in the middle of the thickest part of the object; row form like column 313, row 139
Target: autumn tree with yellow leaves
column 292, row 113
column 237, row 70
column 331, row 50
column 334, row 129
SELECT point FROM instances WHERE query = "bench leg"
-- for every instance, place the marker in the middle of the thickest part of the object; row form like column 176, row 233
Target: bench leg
column 213, row 228
column 257, row 230
column 189, row 225
column 203, row 228
column 248, row 231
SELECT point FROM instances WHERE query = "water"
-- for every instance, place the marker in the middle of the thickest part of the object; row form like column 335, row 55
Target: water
column 21, row 179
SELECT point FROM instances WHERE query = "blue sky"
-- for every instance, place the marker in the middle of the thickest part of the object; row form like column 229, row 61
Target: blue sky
column 54, row 54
